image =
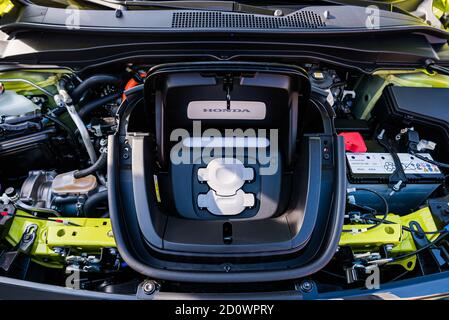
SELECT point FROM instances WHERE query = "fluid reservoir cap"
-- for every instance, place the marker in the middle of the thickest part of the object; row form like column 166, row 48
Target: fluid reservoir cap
column 225, row 175
column 226, row 206
column 66, row 183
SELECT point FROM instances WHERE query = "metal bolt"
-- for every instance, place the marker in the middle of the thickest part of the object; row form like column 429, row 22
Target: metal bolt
column 59, row 251
column 11, row 194
column 306, row 286
column 278, row 13
column 118, row 13
column 27, row 237
column 397, row 186
column 389, row 247
column 125, row 152
column 149, row 287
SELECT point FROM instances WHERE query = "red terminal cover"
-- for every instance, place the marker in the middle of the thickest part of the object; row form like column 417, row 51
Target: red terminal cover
column 132, row 83
column 354, row 142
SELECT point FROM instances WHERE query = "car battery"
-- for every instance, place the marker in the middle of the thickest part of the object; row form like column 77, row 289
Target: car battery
column 372, row 171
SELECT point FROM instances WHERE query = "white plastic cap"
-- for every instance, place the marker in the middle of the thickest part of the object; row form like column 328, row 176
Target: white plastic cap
column 225, row 175
column 226, row 206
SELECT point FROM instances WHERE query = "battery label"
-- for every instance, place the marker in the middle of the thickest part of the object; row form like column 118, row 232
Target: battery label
column 383, row 163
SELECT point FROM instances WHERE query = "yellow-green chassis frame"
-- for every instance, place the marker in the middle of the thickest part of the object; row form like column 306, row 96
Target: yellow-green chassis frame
column 89, row 235
column 391, row 234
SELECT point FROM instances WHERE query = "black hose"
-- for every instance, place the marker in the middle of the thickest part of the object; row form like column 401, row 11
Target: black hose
column 58, row 111
column 91, row 82
column 92, row 105
column 94, row 201
column 20, row 127
column 135, row 89
column 99, row 164
column 69, row 131
column 433, row 67
column 64, row 200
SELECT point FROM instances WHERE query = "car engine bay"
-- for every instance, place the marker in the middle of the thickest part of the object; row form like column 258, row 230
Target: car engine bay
column 222, row 176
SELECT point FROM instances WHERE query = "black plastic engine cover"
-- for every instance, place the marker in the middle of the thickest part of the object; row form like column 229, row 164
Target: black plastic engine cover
column 224, row 99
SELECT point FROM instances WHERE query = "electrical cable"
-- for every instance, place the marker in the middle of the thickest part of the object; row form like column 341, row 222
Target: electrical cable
column 407, row 228
column 399, row 276
column 424, row 232
column 360, row 207
column 427, row 246
column 412, row 141
column 332, row 274
column 65, row 222
column 381, row 221
column 436, row 163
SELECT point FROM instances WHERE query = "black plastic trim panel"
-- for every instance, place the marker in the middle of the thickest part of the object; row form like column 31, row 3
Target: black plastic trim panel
column 431, row 286
column 139, row 257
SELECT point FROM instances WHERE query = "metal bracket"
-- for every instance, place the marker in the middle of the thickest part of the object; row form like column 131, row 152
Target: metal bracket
column 440, row 211
column 228, row 85
column 24, row 246
column 434, row 253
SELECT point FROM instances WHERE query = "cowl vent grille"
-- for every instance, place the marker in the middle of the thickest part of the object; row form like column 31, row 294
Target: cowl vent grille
column 224, row 20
